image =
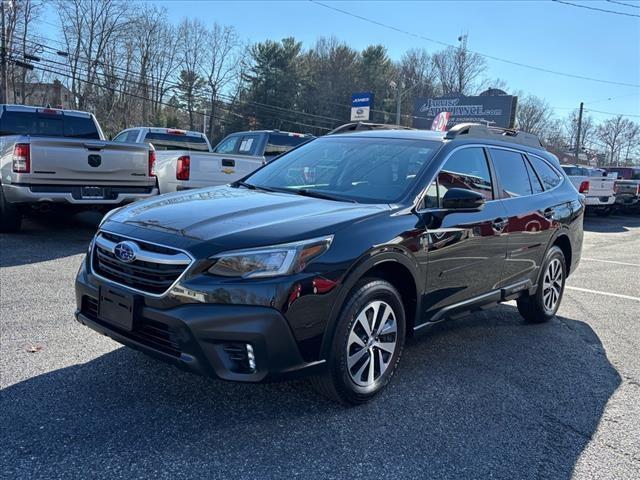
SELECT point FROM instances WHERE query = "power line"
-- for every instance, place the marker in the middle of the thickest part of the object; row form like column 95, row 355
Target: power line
column 613, row 113
column 596, row 9
column 490, row 57
column 623, row 3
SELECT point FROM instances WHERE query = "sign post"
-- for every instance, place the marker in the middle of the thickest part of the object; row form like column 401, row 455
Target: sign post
column 361, row 105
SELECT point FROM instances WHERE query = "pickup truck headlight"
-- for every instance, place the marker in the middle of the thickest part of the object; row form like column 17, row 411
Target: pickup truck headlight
column 269, row 261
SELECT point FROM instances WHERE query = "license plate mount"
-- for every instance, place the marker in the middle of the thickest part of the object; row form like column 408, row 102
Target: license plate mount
column 116, row 308
column 91, row 193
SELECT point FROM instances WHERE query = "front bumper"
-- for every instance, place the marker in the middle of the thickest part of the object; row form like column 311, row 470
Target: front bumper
column 68, row 194
column 208, row 339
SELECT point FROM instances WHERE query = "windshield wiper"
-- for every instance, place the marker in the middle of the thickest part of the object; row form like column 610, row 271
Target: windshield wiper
column 316, row 194
column 250, row 186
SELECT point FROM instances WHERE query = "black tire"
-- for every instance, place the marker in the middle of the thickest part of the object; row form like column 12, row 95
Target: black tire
column 10, row 216
column 337, row 383
column 534, row 308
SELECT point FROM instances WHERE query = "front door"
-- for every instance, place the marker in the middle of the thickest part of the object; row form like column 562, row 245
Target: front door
column 466, row 250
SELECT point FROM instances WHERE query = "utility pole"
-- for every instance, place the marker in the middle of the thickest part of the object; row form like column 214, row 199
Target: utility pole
column 579, row 129
column 398, row 102
column 3, row 53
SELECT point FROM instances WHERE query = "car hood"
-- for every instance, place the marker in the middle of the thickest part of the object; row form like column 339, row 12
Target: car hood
column 242, row 217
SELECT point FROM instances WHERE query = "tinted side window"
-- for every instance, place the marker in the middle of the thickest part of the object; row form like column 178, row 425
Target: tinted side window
column 512, row 173
column 121, row 137
column 228, row 145
column 536, row 185
column 467, row 168
column 549, row 177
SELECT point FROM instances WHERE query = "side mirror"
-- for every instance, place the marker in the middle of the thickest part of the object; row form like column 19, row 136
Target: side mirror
column 462, row 199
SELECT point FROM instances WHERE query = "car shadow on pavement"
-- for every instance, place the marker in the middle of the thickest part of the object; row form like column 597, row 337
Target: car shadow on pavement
column 47, row 236
column 486, row 396
column 612, row 224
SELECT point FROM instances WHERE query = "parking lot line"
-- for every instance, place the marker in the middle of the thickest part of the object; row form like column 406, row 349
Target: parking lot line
column 611, row 261
column 598, row 292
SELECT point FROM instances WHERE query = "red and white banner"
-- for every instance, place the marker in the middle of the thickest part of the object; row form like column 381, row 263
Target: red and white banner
column 440, row 122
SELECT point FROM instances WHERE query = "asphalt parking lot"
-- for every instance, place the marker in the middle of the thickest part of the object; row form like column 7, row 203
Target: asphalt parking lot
column 483, row 397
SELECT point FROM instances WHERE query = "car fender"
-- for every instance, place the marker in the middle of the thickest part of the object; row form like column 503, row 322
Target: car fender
column 373, row 258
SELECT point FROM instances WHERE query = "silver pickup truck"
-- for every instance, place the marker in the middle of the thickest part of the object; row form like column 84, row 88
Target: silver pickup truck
column 60, row 157
column 185, row 160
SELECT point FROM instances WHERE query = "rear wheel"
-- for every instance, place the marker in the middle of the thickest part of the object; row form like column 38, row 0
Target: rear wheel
column 10, row 216
column 543, row 306
column 367, row 344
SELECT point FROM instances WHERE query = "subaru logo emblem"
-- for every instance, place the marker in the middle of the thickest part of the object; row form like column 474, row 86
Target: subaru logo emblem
column 125, row 251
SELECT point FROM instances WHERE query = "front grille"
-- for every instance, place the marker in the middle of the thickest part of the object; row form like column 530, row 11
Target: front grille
column 155, row 269
column 150, row 333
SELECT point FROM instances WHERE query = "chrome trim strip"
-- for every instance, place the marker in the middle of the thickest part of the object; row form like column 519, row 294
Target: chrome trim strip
column 145, row 255
column 127, row 287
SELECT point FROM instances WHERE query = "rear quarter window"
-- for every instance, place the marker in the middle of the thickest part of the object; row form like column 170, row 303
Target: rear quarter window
column 549, row 177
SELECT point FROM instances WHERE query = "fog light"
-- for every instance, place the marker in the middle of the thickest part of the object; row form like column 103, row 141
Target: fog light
column 251, row 357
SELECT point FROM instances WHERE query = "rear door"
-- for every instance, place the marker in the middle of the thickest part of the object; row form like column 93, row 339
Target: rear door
column 466, row 250
column 531, row 212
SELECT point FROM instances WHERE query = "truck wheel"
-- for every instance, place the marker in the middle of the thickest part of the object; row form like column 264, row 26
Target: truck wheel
column 10, row 216
column 543, row 306
column 367, row 344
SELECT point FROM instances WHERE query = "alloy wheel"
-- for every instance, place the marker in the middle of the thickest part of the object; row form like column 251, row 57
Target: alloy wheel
column 552, row 285
column 372, row 343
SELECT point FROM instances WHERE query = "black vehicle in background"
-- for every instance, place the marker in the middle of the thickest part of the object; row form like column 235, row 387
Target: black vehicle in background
column 325, row 260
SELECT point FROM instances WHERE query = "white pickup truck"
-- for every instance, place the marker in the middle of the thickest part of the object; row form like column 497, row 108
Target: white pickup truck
column 52, row 157
column 596, row 185
column 185, row 159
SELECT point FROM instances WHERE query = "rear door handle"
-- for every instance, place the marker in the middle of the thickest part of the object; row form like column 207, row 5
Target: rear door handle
column 499, row 224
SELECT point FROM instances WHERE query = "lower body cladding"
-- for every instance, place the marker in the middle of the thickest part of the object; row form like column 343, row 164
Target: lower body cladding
column 232, row 342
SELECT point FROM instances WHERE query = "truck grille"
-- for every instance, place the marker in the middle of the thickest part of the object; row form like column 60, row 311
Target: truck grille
column 153, row 269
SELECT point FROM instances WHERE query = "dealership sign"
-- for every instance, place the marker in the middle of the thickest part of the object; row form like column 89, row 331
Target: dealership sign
column 498, row 110
column 361, row 105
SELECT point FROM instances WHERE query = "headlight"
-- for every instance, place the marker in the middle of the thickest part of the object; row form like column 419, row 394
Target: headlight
column 270, row 261
column 107, row 215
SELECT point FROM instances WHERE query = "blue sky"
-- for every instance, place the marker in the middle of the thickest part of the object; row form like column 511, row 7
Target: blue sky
column 541, row 33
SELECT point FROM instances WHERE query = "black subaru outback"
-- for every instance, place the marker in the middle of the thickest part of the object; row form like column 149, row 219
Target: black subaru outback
column 324, row 261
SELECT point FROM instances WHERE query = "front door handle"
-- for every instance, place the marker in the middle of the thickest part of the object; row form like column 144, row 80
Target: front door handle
column 499, row 224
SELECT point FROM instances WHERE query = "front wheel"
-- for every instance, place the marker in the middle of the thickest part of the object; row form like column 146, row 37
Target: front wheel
column 367, row 344
column 543, row 306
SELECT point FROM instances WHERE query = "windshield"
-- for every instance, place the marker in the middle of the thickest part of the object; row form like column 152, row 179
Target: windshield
column 368, row 170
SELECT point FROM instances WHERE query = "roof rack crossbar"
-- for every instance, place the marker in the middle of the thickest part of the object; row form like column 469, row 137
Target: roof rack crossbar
column 496, row 133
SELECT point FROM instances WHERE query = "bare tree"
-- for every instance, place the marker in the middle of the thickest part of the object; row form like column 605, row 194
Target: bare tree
column 533, row 115
column 613, row 133
column 220, row 67
column 192, row 35
column 458, row 68
column 89, row 28
column 587, row 129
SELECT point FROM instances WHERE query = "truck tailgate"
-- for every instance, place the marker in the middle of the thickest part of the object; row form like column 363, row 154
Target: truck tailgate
column 77, row 161
column 601, row 187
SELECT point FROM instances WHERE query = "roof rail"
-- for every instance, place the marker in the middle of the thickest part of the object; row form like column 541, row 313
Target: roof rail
column 495, row 133
column 359, row 126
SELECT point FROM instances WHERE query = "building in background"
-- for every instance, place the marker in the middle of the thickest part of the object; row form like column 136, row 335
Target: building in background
column 53, row 94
